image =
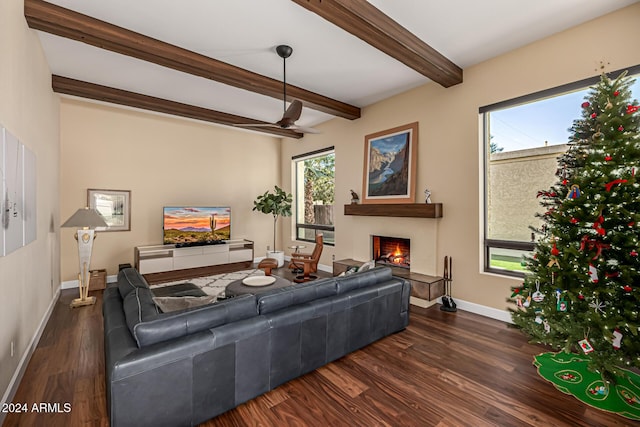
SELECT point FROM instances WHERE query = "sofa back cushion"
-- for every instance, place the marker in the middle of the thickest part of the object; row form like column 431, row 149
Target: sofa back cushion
column 128, row 280
column 295, row 294
column 360, row 280
column 177, row 324
column 138, row 306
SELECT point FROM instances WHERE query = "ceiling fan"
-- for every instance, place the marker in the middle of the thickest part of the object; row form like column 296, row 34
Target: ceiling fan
column 291, row 114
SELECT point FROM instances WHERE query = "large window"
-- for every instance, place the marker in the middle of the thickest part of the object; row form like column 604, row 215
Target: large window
column 314, row 198
column 522, row 140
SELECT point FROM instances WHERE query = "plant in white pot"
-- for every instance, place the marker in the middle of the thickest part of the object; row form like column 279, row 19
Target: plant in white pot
column 277, row 204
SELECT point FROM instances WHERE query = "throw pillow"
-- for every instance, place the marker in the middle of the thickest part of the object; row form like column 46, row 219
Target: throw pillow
column 168, row 304
column 367, row 265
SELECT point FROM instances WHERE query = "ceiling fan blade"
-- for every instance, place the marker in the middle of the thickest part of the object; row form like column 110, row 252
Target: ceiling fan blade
column 293, row 112
column 304, row 129
column 256, row 125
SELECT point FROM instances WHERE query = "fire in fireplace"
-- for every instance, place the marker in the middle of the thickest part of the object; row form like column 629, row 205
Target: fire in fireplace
column 391, row 251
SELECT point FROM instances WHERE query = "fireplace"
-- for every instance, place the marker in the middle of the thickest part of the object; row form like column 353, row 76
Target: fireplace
column 391, row 251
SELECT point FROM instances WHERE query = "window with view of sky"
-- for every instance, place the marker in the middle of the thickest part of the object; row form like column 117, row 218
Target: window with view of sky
column 530, row 125
column 518, row 167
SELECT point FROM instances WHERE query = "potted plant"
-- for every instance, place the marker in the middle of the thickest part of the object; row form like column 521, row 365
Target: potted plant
column 277, row 204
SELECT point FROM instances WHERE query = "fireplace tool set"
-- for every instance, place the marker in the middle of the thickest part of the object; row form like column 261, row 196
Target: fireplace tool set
column 448, row 304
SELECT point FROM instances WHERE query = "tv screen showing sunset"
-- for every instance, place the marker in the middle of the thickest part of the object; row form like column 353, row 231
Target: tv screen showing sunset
column 196, row 224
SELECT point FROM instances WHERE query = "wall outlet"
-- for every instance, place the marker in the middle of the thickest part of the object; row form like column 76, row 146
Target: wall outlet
column 12, row 349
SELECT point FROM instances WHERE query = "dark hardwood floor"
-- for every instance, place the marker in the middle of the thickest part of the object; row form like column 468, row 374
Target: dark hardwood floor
column 444, row 370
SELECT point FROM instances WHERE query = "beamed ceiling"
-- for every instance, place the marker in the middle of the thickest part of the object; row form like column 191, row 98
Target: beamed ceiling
column 216, row 61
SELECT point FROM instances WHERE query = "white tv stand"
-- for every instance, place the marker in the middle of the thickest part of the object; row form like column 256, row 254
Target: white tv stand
column 168, row 258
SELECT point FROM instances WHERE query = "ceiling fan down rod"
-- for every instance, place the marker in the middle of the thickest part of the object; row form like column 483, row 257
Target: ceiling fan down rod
column 284, row 52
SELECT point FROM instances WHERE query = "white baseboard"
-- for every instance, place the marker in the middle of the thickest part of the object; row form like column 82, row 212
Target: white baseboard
column 493, row 313
column 70, row 284
column 26, row 357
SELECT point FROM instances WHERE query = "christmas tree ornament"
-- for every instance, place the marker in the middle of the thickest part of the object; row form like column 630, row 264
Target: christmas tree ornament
column 537, row 295
column 538, row 319
column 617, row 339
column 633, row 253
column 593, row 273
column 553, row 262
column 594, row 115
column 597, row 306
column 585, row 105
column 627, row 288
column 562, row 305
column 616, row 93
column 580, row 296
column 585, row 345
column 632, row 109
column 574, row 192
column 609, row 105
column 527, row 302
column 547, row 327
column 621, row 128
column 574, row 220
column 608, row 158
column 554, row 250
column 614, row 182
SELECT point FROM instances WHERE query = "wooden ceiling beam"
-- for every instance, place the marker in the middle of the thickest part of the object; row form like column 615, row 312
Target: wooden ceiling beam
column 371, row 25
column 65, row 85
column 62, row 22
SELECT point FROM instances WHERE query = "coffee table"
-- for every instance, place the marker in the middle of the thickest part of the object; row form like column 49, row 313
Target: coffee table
column 238, row 288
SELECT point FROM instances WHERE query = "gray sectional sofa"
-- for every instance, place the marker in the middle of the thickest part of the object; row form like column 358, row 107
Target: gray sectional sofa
column 183, row 368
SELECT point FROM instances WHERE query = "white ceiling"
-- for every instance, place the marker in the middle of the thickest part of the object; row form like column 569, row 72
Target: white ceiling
column 325, row 59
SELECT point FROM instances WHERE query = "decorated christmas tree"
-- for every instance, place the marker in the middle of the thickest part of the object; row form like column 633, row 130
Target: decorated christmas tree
column 582, row 293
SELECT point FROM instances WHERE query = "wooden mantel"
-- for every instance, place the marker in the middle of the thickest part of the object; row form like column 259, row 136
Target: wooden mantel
column 414, row 210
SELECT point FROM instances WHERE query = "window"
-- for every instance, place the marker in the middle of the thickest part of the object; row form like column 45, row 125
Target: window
column 522, row 139
column 314, row 198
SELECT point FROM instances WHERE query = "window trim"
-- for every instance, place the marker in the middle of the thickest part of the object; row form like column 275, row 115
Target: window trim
column 298, row 225
column 489, row 244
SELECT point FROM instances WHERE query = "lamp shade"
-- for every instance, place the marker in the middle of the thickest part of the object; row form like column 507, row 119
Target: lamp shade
column 85, row 218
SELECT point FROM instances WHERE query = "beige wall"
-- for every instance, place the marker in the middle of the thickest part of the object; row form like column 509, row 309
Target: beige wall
column 515, row 177
column 449, row 159
column 163, row 161
column 28, row 108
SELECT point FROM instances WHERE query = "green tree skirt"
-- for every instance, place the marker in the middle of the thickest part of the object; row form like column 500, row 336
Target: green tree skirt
column 569, row 373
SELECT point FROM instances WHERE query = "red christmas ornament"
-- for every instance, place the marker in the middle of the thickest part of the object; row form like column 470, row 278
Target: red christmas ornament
column 608, row 158
column 580, row 297
column 627, row 288
column 616, row 93
column 594, row 115
column 633, row 253
column 574, row 220
column 554, row 250
column 620, row 128
column 565, row 182
column 632, row 109
column 631, row 224
column 585, row 105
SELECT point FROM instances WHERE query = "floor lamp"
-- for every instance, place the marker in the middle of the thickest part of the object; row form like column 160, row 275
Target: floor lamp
column 85, row 220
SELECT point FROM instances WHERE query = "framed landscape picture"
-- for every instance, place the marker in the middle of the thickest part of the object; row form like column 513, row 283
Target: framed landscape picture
column 389, row 174
column 114, row 206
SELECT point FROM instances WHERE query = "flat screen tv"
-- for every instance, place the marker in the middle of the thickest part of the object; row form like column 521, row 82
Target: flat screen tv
column 186, row 225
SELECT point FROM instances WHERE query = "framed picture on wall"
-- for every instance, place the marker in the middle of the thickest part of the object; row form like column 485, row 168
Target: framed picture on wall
column 114, row 206
column 389, row 174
